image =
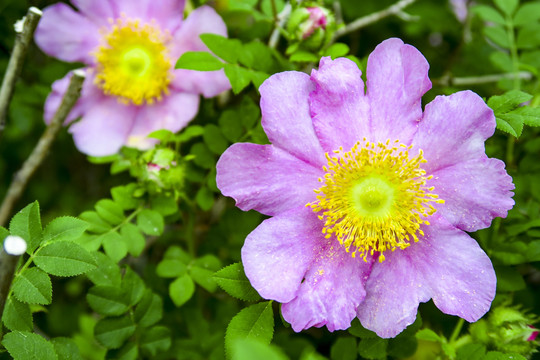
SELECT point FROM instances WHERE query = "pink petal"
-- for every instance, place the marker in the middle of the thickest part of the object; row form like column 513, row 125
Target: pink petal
column 285, row 116
column 446, row 265
column 201, row 21
column 454, row 129
column 277, row 254
column 104, row 127
column 397, row 77
column 475, row 192
column 98, row 11
column 339, row 109
column 266, row 178
column 166, row 13
column 66, row 34
column 332, row 290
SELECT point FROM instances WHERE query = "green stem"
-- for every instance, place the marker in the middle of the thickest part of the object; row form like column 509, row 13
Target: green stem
column 513, row 52
column 456, row 331
column 190, row 238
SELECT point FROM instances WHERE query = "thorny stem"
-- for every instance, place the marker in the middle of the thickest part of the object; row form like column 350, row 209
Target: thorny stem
column 24, row 36
column 395, row 9
column 22, row 177
column 483, row 79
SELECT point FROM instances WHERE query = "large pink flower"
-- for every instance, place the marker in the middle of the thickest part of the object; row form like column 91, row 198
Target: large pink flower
column 129, row 48
column 369, row 197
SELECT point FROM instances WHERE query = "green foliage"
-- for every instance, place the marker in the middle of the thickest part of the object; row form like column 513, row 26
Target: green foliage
column 33, row 286
column 510, row 116
column 24, row 345
column 233, row 280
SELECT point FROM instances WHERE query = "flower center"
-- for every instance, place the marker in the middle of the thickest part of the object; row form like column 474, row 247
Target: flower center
column 132, row 63
column 374, row 198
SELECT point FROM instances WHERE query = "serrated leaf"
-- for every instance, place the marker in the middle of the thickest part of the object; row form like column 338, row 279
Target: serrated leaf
column 133, row 239
column 227, row 49
column 238, row 76
column 471, row 352
column 488, row 14
column 181, row 290
column 513, row 126
column 428, row 335
column 199, row 60
column 66, row 349
column 156, row 339
column 113, row 332
column 133, row 286
column 254, row 322
column 495, row 355
column 107, row 300
column 150, row 222
column 190, row 132
column 510, row 100
column 498, row 35
column 24, row 345
column 373, row 348
column 529, row 115
column 233, row 281
column 110, row 211
column 33, row 286
column 130, row 351
column 17, row 315
column 123, row 196
column 502, row 61
column 203, row 277
column 27, row 224
column 149, row 310
column 95, row 223
column 171, row 268
column 507, row 6
column 65, row 228
column 114, row 245
column 249, row 349
column 337, row 50
column 106, row 273
column 527, row 13
column 64, row 259
column 256, row 55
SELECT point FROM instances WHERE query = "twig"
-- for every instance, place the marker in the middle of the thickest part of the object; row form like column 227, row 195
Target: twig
column 281, row 19
column 38, row 154
column 14, row 247
column 371, row 18
column 483, row 79
column 24, row 36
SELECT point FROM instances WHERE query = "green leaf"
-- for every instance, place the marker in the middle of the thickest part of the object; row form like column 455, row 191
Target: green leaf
column 214, row 139
column 204, row 198
column 203, row 277
column 256, row 55
column 234, row 282
column 253, row 322
column 150, row 222
column 203, row 156
column 33, row 286
column 528, row 115
column 133, row 287
column 471, row 352
column 129, row 351
column 428, row 335
column 528, row 36
column 27, row 224
column 498, row 35
column 507, row 6
column 17, row 315
column 238, row 76
column 227, row 49
column 337, row 50
column 106, row 273
column 198, row 60
column 230, row 125
column 527, row 13
column 358, row 330
column 189, row 133
column 113, row 332
column 502, row 106
column 502, row 61
column 155, row 340
column 165, row 205
column 249, row 349
column 343, row 349
column 149, row 310
column 489, row 14
column 495, row 355
column 258, row 77
column 133, row 239
column 64, row 259
column 171, row 268
column 110, row 211
column 3, row 233
column 114, row 245
column 66, row 349
column 107, row 300
column 96, row 223
column 509, row 279
column 123, row 196
column 402, row 346
column 65, row 228
column 513, row 126
column 303, row 56
column 372, row 348
column 24, row 345
column 181, row 290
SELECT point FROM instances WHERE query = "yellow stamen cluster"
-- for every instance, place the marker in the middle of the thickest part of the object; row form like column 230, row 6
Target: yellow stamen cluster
column 374, row 197
column 132, row 62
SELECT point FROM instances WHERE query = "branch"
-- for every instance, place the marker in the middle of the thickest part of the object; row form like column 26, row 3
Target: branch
column 281, row 20
column 24, row 36
column 395, row 9
column 483, row 79
column 14, row 247
column 38, row 154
